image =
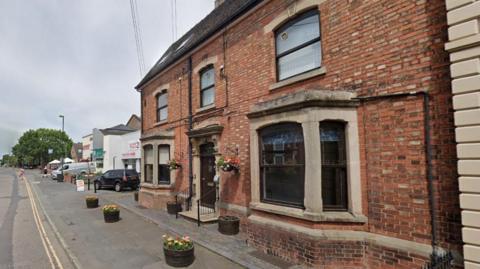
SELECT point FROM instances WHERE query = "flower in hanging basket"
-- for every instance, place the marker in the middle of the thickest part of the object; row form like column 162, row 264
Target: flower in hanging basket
column 173, row 164
column 228, row 164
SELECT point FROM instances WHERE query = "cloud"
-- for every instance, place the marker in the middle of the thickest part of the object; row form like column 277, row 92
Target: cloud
column 78, row 58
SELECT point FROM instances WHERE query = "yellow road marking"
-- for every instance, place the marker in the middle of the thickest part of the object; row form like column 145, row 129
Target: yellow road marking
column 41, row 229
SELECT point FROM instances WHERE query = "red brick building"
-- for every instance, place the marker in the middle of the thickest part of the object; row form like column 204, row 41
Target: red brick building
column 340, row 115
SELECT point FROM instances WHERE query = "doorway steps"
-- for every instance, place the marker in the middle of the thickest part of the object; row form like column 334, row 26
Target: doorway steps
column 192, row 214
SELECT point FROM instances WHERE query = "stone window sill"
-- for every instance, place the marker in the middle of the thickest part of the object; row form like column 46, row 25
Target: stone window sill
column 308, row 75
column 156, row 186
column 205, row 108
column 310, row 216
column 159, row 123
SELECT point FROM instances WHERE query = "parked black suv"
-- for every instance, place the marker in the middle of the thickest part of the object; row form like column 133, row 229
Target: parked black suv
column 118, row 179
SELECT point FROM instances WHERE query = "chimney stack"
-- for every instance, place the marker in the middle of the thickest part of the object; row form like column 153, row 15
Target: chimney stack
column 218, row 2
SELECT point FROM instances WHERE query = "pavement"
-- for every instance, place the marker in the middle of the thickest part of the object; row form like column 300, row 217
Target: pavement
column 133, row 242
column 83, row 240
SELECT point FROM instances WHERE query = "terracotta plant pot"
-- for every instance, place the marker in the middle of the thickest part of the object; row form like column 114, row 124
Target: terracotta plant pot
column 229, row 225
column 179, row 258
column 135, row 196
column 92, row 203
column 110, row 217
column 173, row 208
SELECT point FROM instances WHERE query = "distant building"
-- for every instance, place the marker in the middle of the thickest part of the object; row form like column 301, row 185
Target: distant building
column 87, row 147
column 115, row 142
column 134, row 122
column 77, row 152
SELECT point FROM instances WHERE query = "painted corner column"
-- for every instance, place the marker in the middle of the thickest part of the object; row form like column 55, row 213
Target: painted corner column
column 313, row 173
column 463, row 17
column 255, row 166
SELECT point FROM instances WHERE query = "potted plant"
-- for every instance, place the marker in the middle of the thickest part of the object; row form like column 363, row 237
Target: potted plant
column 135, row 195
column 92, row 201
column 179, row 252
column 111, row 213
column 173, row 207
column 229, row 164
column 173, row 164
column 229, row 225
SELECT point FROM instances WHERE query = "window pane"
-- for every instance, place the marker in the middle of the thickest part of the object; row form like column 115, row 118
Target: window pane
column 208, row 97
column 298, row 33
column 162, row 100
column 163, row 173
column 300, row 61
column 283, row 184
column 334, row 169
column 207, row 78
column 163, row 114
column 163, row 154
column 149, row 173
column 148, row 153
column 282, row 164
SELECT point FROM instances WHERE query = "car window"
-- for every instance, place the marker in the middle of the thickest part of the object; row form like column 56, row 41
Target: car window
column 131, row 173
column 107, row 174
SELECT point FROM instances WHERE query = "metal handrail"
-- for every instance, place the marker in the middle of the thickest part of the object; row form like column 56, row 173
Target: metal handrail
column 183, row 197
column 203, row 210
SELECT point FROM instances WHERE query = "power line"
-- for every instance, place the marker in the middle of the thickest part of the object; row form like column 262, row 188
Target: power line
column 138, row 36
column 173, row 15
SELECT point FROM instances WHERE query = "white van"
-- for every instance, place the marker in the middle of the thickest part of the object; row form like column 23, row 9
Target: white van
column 75, row 169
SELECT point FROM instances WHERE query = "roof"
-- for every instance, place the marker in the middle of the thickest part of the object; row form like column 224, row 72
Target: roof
column 117, row 129
column 220, row 17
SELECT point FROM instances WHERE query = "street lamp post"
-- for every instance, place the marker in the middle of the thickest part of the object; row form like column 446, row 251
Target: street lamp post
column 63, row 146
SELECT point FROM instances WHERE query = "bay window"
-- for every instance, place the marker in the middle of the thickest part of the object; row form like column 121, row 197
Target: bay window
column 334, row 165
column 282, row 164
column 148, row 166
column 163, row 167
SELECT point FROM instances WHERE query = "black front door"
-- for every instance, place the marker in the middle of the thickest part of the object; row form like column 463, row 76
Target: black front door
column 207, row 172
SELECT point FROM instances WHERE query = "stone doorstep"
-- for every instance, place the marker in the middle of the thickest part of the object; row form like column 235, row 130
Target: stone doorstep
column 205, row 218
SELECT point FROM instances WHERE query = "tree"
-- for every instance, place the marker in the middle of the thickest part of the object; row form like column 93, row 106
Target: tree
column 32, row 147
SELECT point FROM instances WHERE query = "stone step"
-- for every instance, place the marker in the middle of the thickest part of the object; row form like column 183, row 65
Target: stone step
column 204, row 218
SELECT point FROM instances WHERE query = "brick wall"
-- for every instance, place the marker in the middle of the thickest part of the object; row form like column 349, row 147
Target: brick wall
column 371, row 48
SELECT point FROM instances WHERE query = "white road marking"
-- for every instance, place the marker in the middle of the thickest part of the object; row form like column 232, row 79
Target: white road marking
column 41, row 230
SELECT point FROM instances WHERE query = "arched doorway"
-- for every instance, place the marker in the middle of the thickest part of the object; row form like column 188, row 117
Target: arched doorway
column 207, row 173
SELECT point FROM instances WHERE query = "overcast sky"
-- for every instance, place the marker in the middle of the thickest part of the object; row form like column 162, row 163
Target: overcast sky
column 78, row 58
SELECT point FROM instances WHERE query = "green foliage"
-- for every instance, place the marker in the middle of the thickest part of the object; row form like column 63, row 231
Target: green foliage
column 32, row 147
column 9, row 160
column 178, row 243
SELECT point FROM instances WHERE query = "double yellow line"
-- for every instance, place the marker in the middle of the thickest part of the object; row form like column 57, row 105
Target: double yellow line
column 52, row 255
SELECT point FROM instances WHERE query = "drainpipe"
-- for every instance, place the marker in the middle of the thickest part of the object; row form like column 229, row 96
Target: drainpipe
column 428, row 154
column 190, row 127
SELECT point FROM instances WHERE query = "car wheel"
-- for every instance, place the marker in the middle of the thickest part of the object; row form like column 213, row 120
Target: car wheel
column 98, row 185
column 118, row 187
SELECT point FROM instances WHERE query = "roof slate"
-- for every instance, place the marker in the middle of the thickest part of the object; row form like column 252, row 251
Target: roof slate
column 221, row 16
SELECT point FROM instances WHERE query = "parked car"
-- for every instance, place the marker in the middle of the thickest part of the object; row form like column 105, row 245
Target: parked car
column 118, row 179
column 75, row 169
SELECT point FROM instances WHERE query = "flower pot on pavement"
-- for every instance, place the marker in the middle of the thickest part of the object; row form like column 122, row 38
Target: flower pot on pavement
column 92, row 201
column 229, row 225
column 179, row 251
column 173, row 208
column 111, row 213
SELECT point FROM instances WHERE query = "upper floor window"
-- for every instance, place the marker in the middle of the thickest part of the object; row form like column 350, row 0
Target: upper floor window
column 282, row 164
column 162, row 106
column 298, row 45
column 207, row 86
column 334, row 165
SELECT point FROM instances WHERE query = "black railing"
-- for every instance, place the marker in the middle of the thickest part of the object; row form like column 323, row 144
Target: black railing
column 442, row 261
column 205, row 209
column 184, row 198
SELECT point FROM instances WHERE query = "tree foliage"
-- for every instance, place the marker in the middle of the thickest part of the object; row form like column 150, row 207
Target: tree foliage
column 32, row 147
